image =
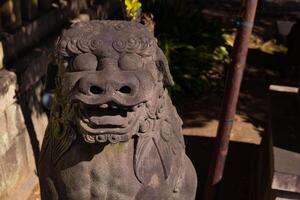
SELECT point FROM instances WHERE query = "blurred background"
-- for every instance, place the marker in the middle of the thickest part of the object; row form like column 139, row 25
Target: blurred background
column 197, row 37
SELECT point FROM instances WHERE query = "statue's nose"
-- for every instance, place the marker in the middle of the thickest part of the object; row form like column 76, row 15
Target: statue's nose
column 96, row 90
column 96, row 87
column 111, row 88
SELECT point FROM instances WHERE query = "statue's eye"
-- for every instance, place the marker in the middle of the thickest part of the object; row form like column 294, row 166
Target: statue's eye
column 130, row 61
column 84, row 62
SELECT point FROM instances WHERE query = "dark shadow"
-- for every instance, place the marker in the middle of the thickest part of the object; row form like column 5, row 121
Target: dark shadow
column 26, row 111
column 197, row 112
column 240, row 171
column 285, row 121
column 288, row 195
column 199, row 150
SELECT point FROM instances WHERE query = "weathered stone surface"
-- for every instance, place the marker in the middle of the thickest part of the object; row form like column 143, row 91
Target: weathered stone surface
column 1, row 51
column 14, row 120
column 7, row 89
column 12, row 124
column 113, row 131
column 286, row 170
column 4, row 138
column 14, row 167
column 284, row 27
column 17, row 162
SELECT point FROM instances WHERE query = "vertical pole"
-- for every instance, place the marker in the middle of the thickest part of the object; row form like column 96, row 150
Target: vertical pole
column 230, row 99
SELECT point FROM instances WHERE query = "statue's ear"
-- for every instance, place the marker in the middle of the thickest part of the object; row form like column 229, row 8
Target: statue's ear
column 163, row 66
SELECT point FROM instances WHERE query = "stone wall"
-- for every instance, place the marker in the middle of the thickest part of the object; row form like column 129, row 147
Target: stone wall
column 22, row 126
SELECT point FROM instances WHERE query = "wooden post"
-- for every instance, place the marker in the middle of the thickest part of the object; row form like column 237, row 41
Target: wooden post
column 232, row 89
column 29, row 9
column 11, row 14
column 77, row 6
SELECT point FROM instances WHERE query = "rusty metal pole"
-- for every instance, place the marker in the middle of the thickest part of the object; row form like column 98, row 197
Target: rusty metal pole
column 232, row 89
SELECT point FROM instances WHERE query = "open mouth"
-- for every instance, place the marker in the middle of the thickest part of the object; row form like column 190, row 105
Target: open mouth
column 106, row 118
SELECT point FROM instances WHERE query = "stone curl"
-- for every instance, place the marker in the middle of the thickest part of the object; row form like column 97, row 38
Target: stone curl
column 88, row 37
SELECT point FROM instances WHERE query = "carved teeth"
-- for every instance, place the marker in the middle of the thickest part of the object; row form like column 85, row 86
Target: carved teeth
column 104, row 106
column 86, row 120
column 135, row 108
column 89, row 138
column 113, row 106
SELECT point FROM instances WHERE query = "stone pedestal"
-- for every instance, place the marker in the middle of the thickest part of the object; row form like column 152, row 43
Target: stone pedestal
column 17, row 157
column 16, row 161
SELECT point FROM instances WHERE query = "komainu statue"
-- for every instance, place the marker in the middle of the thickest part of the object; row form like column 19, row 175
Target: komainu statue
column 113, row 132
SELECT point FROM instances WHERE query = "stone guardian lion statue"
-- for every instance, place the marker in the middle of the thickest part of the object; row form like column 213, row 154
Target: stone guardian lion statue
column 113, row 132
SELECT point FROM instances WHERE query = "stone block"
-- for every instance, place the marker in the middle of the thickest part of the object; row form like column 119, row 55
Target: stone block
column 17, row 158
column 8, row 85
column 12, row 125
column 14, row 167
column 284, row 27
column 14, row 121
column 1, row 50
column 4, row 138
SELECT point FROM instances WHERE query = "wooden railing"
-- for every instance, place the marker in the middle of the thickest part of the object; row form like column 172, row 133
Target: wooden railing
column 15, row 13
column 25, row 22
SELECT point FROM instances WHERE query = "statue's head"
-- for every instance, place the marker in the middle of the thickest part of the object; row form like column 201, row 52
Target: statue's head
column 114, row 74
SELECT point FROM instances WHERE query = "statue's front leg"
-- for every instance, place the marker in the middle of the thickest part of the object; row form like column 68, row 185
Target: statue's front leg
column 187, row 186
column 48, row 190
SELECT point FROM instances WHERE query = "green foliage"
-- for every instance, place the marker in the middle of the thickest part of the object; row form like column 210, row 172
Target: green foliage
column 132, row 8
column 192, row 45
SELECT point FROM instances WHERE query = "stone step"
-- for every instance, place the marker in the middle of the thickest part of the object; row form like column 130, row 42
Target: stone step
column 284, row 143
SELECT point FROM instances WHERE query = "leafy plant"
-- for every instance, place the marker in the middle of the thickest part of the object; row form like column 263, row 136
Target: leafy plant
column 132, row 8
column 194, row 47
